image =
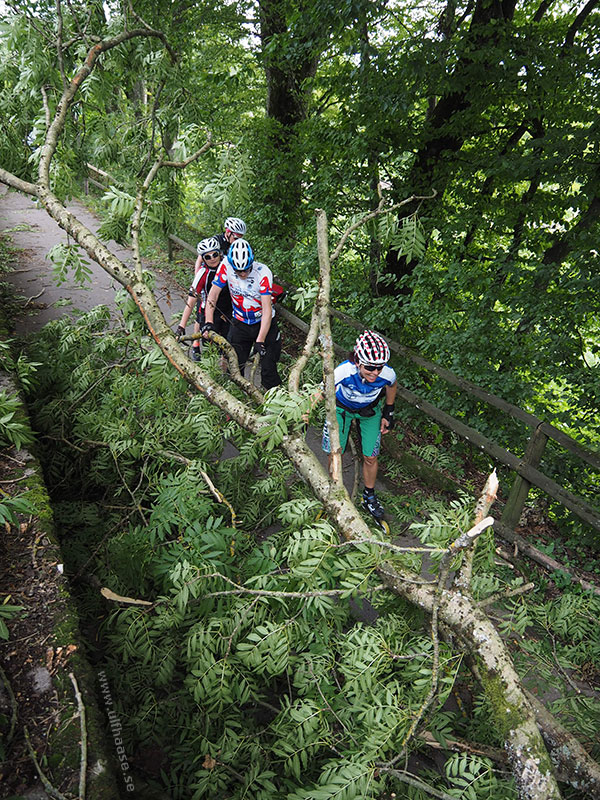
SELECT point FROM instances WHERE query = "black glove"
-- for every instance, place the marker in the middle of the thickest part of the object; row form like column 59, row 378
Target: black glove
column 388, row 414
column 260, row 348
column 179, row 332
column 208, row 326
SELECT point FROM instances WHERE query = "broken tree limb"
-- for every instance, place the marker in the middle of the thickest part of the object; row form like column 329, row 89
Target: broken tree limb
column 569, row 757
column 512, row 712
column 335, row 455
column 541, row 558
column 462, row 579
column 117, row 598
column 528, row 757
column 573, row 764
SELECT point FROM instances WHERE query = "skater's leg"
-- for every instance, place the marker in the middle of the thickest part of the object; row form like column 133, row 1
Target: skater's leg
column 371, row 442
column 370, row 466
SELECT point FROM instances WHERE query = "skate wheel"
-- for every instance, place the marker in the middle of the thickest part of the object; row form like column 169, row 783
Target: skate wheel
column 383, row 524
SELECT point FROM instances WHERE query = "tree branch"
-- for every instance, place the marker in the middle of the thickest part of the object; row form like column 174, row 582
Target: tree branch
column 486, row 499
column 49, row 147
column 83, row 743
column 59, row 44
column 152, row 32
column 141, row 195
column 326, row 339
column 577, row 23
column 494, row 598
column 242, row 590
column 371, row 215
column 411, row 780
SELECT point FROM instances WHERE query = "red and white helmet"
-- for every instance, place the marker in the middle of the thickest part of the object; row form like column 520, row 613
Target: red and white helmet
column 235, row 225
column 371, row 348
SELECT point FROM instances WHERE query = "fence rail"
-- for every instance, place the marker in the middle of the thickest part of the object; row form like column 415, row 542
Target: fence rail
column 527, row 474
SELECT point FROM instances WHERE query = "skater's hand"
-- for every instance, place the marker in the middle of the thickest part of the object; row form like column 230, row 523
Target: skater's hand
column 208, row 326
column 387, row 418
column 260, row 348
column 179, row 332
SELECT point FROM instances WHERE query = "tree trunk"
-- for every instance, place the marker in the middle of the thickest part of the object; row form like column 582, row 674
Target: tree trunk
column 443, row 135
column 286, row 107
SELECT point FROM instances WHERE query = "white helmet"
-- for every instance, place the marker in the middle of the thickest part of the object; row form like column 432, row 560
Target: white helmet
column 235, row 225
column 208, row 245
column 371, row 348
column 240, row 255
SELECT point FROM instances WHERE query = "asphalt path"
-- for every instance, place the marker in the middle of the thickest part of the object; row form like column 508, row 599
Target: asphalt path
column 34, row 232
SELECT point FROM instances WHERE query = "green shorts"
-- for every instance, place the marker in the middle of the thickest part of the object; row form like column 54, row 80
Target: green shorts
column 369, row 429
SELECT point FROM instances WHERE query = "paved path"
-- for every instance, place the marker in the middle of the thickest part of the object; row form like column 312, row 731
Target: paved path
column 35, row 233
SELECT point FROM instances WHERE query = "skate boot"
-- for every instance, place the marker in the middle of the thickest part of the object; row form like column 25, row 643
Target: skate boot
column 371, row 503
column 196, row 353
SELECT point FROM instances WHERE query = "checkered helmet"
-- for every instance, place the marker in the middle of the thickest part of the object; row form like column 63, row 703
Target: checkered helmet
column 371, row 348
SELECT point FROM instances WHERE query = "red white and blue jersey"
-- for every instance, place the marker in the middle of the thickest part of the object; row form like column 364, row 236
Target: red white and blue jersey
column 355, row 393
column 246, row 293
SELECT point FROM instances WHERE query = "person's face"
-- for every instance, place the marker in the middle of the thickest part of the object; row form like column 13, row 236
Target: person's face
column 368, row 372
column 231, row 236
column 210, row 259
column 243, row 273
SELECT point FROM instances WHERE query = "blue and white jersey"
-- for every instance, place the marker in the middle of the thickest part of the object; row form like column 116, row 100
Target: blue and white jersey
column 246, row 292
column 355, row 393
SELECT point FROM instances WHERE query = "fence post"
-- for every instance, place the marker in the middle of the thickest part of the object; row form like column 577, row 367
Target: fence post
column 520, row 488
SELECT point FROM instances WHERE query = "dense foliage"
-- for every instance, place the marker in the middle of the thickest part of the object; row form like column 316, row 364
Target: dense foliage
column 261, row 671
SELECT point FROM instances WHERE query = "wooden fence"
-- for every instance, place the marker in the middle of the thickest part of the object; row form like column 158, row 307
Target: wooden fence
column 526, row 468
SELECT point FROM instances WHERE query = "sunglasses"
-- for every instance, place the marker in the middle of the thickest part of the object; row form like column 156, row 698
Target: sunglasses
column 372, row 367
column 216, row 254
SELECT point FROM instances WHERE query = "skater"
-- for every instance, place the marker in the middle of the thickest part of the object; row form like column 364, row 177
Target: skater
column 253, row 327
column 234, row 228
column 207, row 264
column 359, row 385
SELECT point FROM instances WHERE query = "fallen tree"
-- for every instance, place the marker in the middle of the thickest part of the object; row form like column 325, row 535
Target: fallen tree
column 448, row 601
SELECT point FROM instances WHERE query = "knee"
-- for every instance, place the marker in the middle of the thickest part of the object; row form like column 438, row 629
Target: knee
column 370, row 461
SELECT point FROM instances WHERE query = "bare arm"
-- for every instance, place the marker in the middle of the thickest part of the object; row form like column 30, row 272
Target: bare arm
column 390, row 394
column 191, row 301
column 267, row 316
